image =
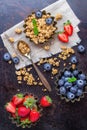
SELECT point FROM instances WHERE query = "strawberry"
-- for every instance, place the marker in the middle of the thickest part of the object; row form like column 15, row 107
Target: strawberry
column 62, row 36
column 23, row 111
column 45, row 101
column 68, row 28
column 17, row 99
column 10, row 107
column 34, row 115
column 28, row 96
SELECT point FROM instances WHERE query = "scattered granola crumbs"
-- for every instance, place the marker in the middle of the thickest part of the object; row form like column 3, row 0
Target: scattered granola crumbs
column 35, row 83
column 38, row 78
column 19, row 78
column 51, row 77
column 18, row 90
column 18, row 72
column 69, row 63
column 9, row 61
column 64, row 64
column 18, row 31
column 44, row 90
column 28, row 69
column 73, row 66
column 46, row 47
column 58, row 16
column 19, row 82
column 40, row 83
column 38, row 63
column 14, row 55
column 54, row 71
column 11, row 39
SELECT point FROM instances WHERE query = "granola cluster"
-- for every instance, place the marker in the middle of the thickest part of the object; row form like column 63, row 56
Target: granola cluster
column 44, row 31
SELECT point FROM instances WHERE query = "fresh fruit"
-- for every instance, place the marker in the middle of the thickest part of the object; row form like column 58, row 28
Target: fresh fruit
column 34, row 116
column 62, row 90
column 49, row 21
column 74, row 89
column 16, row 60
column 74, row 60
column 82, row 76
column 67, row 85
column 80, row 83
column 7, row 56
column 68, row 28
column 17, row 99
column 10, row 107
column 60, row 82
column 67, row 73
column 47, row 66
column 45, row 101
column 70, row 95
column 23, row 111
column 75, row 72
column 38, row 14
column 27, row 96
column 63, row 37
column 81, row 49
column 79, row 92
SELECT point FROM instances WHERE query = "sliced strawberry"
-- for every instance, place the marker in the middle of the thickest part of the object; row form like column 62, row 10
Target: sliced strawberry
column 34, row 115
column 45, row 101
column 68, row 28
column 62, row 36
column 10, row 107
column 13, row 115
column 23, row 111
column 17, row 99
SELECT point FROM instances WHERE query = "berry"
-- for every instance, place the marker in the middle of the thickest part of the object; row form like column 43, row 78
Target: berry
column 70, row 95
column 23, row 111
column 7, row 56
column 67, row 85
column 67, row 73
column 10, row 107
column 62, row 90
column 75, row 72
column 79, row 92
column 34, row 115
column 16, row 60
column 47, row 66
column 81, row 49
column 80, row 83
column 73, row 89
column 60, row 82
column 74, row 60
column 49, row 21
column 45, row 101
column 38, row 14
column 82, row 76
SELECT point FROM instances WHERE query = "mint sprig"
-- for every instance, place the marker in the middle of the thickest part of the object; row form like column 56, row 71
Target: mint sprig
column 73, row 79
column 35, row 29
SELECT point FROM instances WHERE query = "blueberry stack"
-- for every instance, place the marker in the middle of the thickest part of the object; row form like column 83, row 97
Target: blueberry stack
column 71, row 84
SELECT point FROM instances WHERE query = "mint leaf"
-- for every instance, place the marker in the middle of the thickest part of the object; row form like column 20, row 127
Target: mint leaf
column 73, row 79
column 35, row 29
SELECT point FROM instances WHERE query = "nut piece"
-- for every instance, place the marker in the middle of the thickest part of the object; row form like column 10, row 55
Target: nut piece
column 58, row 16
column 18, row 31
column 11, row 39
column 47, row 47
column 54, row 71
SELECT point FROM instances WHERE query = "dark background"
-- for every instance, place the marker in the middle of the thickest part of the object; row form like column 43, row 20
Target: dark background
column 61, row 116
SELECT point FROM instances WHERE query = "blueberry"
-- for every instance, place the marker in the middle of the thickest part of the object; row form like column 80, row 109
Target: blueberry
column 49, row 21
column 81, row 49
column 38, row 14
column 63, row 77
column 79, row 92
column 7, row 56
column 82, row 76
column 70, row 95
column 16, row 60
column 80, row 83
column 74, row 60
column 73, row 89
column 60, row 82
column 67, row 73
column 47, row 66
column 75, row 72
column 62, row 90
column 66, row 79
column 67, row 85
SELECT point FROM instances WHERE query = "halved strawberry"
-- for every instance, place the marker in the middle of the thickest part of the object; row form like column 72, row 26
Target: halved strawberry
column 23, row 111
column 10, row 107
column 68, row 28
column 34, row 115
column 18, row 99
column 62, row 36
column 45, row 101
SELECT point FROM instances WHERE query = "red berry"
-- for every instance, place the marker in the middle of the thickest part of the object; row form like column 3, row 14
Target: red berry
column 45, row 101
column 23, row 111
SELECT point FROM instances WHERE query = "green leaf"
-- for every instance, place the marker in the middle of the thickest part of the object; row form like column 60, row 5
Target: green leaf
column 30, row 103
column 73, row 79
column 35, row 29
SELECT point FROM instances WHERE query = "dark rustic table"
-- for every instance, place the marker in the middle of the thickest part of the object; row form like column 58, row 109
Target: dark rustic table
column 62, row 116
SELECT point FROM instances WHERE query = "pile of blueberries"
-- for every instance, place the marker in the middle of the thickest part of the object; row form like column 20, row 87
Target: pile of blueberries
column 70, row 88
